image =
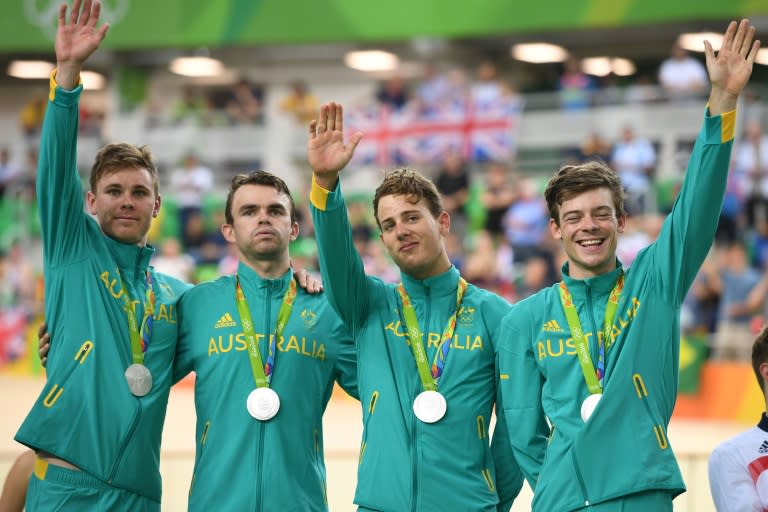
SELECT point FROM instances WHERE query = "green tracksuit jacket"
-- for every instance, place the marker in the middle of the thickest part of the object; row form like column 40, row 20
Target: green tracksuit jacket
column 86, row 414
column 241, row 463
column 623, row 448
column 407, row 465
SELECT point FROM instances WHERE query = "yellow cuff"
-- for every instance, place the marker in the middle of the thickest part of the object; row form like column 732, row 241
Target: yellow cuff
column 727, row 126
column 318, row 196
column 52, row 85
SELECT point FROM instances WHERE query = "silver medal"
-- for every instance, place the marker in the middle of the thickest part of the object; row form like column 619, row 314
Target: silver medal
column 139, row 379
column 588, row 405
column 430, row 406
column 263, row 404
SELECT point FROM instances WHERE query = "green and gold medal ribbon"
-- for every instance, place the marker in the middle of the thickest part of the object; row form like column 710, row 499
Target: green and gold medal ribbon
column 262, row 373
column 593, row 378
column 429, row 379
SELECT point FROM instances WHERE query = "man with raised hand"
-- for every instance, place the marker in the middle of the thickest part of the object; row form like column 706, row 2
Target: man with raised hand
column 97, row 424
column 426, row 347
column 598, row 353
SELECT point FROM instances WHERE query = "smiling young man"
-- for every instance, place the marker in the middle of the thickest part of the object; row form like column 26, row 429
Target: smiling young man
column 266, row 356
column 426, row 348
column 97, row 424
column 597, row 354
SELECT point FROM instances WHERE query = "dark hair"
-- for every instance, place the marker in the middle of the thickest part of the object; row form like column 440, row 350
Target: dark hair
column 572, row 180
column 760, row 355
column 116, row 157
column 413, row 186
column 257, row 178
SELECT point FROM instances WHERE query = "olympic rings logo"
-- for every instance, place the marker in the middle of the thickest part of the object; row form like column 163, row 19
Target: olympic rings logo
column 45, row 13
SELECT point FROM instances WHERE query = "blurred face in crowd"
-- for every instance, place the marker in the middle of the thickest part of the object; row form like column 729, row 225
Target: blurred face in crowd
column 413, row 236
column 261, row 227
column 589, row 229
column 124, row 202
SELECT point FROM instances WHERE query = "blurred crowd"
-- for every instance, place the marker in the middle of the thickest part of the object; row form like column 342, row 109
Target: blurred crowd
column 500, row 225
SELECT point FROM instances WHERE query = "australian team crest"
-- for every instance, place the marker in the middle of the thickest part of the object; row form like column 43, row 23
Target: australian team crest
column 309, row 318
column 466, row 315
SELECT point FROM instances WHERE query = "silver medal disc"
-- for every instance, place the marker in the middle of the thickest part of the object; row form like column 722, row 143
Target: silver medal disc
column 139, row 379
column 588, row 405
column 263, row 403
column 430, row 406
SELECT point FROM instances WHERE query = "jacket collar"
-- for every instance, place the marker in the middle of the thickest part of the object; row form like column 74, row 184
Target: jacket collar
column 435, row 286
column 253, row 281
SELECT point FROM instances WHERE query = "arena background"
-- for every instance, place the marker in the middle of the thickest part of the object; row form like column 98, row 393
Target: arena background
column 274, row 43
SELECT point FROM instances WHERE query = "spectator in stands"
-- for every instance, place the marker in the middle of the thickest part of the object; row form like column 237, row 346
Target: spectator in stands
column 9, row 171
column 300, row 103
column 498, row 196
column 732, row 278
column 634, row 159
column 738, row 475
column 453, row 181
column 751, row 162
column 172, row 261
column 642, row 90
column 190, row 183
column 244, row 103
column 526, row 222
column 575, row 87
column 595, row 148
column 31, row 116
column 535, row 276
column 486, row 90
column 682, row 76
column 393, row 92
column 191, row 107
column 433, row 90
column 482, row 266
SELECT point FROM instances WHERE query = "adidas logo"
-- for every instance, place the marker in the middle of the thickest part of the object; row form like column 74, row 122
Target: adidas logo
column 225, row 321
column 552, row 326
column 764, row 447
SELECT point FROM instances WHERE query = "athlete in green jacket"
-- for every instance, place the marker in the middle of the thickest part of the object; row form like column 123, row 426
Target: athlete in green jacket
column 97, row 423
column 598, row 353
column 265, row 463
column 425, row 437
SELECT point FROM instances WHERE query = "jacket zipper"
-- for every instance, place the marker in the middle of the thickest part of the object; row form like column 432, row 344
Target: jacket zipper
column 414, row 437
column 260, row 453
column 126, row 440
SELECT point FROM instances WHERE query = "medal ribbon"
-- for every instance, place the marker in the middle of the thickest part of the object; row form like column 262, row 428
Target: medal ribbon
column 593, row 378
column 429, row 379
column 140, row 337
column 262, row 373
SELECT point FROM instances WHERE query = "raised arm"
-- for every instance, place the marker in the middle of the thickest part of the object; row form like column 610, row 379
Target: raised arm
column 346, row 284
column 689, row 230
column 59, row 192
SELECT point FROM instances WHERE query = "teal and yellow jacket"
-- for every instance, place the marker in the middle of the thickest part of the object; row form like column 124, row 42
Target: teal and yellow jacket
column 86, row 414
column 623, row 447
column 404, row 464
column 242, row 463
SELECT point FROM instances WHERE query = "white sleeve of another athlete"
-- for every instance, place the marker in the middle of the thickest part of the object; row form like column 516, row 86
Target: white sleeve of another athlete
column 731, row 484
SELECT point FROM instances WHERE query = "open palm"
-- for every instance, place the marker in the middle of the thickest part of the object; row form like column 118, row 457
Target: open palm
column 79, row 38
column 731, row 68
column 326, row 151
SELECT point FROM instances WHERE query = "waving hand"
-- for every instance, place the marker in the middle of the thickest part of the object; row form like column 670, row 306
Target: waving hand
column 730, row 69
column 77, row 39
column 326, row 152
